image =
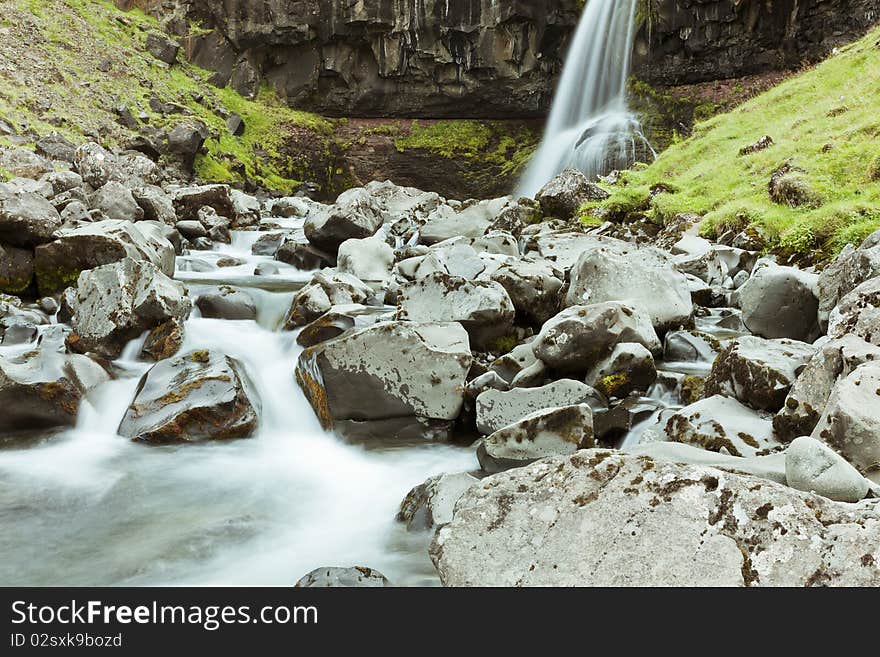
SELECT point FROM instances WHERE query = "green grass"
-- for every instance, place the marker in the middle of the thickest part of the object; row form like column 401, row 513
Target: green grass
column 824, row 122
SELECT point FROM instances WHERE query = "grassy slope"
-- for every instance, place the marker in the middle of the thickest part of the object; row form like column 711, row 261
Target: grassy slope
column 825, row 121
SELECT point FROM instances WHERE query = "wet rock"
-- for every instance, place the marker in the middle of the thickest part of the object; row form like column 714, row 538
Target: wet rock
column 520, row 368
column 356, row 577
column 471, row 220
column 116, row 202
column 578, row 338
column 188, row 201
column 808, row 396
column 533, row 285
column 758, row 372
column 370, row 259
column 355, row 215
column 116, row 303
column 156, row 204
column 497, row 409
column 858, row 313
column 164, row 341
column 812, row 466
column 16, row 269
column 17, row 332
column 548, row 432
column 327, row 289
column 327, row 327
column 58, row 264
column 191, row 229
column 642, row 278
column 628, row 368
column 483, row 308
column 781, row 302
column 722, row 424
column 303, row 255
column 227, row 303
column 26, row 220
column 613, row 424
column 267, row 244
column 393, row 379
column 198, row 396
column 162, row 47
column 432, row 503
column 563, row 196
column 690, row 347
column 43, row 389
column 600, row 516
column 850, row 423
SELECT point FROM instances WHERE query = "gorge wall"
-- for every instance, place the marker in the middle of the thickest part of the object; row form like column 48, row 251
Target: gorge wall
column 483, row 58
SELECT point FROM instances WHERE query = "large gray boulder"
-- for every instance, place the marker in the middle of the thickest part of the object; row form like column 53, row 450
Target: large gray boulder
column 812, row 466
column 116, row 201
column 26, row 219
column 497, row 409
column 432, row 503
column 580, row 337
column 858, row 313
column 95, row 164
column 850, row 269
column 781, row 302
column 722, row 424
column 758, row 372
column 533, row 285
column 43, row 389
column 401, row 379
column 355, row 215
column 326, row 290
column 470, row 220
column 640, row 277
column 58, row 264
column 116, row 303
column 370, row 259
column 483, row 308
column 563, row 196
column 16, row 269
column 194, row 397
column 851, row 421
column 548, row 432
column 629, row 368
column 596, row 518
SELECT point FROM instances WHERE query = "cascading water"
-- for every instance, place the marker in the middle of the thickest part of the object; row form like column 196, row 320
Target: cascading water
column 590, row 126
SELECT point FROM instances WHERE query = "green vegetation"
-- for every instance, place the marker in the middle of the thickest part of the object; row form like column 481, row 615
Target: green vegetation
column 825, row 126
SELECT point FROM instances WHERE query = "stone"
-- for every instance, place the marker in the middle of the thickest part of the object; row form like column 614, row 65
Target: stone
column 690, row 347
column 548, row 432
column 580, row 337
column 116, row 303
column 55, row 146
column 198, row 396
column 394, row 379
column 720, row 423
column 95, row 164
column 781, row 302
column 162, row 47
column 497, row 409
column 563, row 196
column 431, row 504
column 483, row 308
column 302, row 255
column 191, row 229
column 470, row 221
column 227, row 303
column 850, row 269
column 533, row 285
column 596, row 518
column 58, row 264
column 26, row 220
column 22, row 163
column 628, row 368
column 370, row 259
column 235, row 125
column 758, row 372
column 356, row 577
column 640, row 277
column 16, row 269
column 355, row 215
column 813, row 467
column 858, row 313
column 186, row 140
column 116, row 202
column 156, row 204
column 164, row 341
column 520, row 368
column 327, row 289
column 850, row 423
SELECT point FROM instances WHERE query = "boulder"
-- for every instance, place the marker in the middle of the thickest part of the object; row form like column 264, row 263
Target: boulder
column 56, row 146
column 563, row 196
column 116, row 303
column 690, row 347
column 58, row 264
column 302, row 255
column 858, row 313
column 851, row 421
column 483, row 308
column 164, row 341
column 43, row 389
column 355, row 215
column 813, row 467
column 327, row 289
column 26, row 220
column 850, row 269
column 808, row 396
column 370, row 259
column 186, row 140
column 781, row 302
column 399, row 379
column 198, row 396
column 596, row 518
column 16, row 269
column 471, row 220
column 497, row 409
column 548, row 432
column 520, row 368
column 642, row 278
column 94, row 164
column 117, row 202
column 432, row 503
column 23, row 163
column 227, row 303
column 156, row 204
column 580, row 337
column 357, row 577
column 533, row 286
column 758, row 372
column 563, row 248
column 628, row 368
column 722, row 424
column 162, row 47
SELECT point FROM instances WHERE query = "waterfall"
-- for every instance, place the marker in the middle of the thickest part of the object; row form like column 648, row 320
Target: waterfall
column 590, row 126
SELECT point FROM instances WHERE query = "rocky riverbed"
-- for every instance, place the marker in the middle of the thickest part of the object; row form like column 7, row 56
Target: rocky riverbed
column 205, row 386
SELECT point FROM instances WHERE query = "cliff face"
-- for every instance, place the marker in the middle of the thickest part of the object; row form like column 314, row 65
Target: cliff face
column 687, row 41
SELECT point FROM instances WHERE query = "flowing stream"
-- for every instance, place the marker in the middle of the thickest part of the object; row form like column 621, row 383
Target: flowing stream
column 590, row 126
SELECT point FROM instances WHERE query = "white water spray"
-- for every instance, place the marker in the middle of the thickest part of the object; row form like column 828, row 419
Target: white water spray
column 590, row 126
